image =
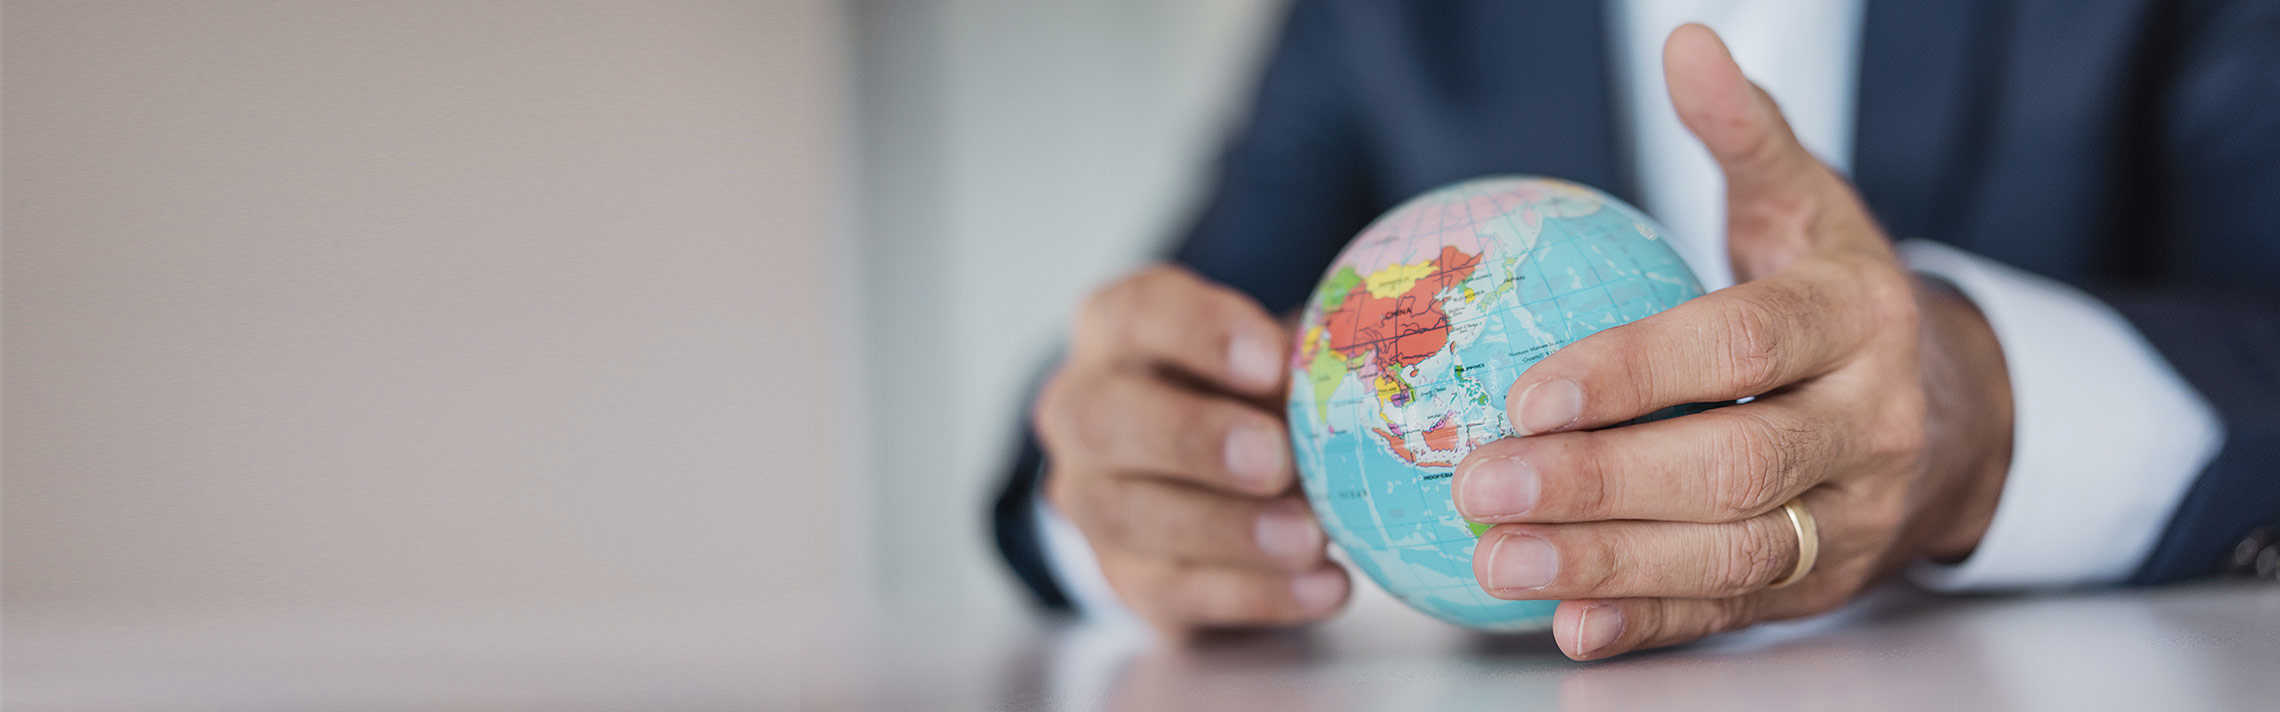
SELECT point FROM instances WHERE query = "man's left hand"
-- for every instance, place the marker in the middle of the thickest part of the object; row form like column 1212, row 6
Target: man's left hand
column 1879, row 400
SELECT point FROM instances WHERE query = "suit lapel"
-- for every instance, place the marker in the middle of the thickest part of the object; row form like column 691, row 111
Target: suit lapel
column 1921, row 117
column 1599, row 154
column 1536, row 97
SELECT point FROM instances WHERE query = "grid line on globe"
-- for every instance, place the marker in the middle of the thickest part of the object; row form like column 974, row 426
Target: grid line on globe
column 1406, row 349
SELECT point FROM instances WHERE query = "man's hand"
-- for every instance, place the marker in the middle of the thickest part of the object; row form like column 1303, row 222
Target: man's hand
column 1167, row 449
column 1879, row 399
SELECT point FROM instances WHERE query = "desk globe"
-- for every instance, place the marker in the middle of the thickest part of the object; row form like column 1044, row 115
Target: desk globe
column 1406, row 350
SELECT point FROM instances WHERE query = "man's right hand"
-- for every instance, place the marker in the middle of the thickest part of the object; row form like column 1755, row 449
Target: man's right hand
column 1166, row 447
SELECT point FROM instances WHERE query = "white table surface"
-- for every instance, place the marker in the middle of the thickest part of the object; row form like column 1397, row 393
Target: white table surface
column 2205, row 646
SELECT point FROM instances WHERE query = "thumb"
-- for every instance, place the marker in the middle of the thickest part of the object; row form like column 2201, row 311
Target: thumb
column 1776, row 191
column 1737, row 121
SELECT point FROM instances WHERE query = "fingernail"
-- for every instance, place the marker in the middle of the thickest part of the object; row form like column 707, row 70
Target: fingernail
column 1286, row 532
column 1253, row 360
column 1521, row 562
column 1597, row 628
column 1318, row 591
column 1254, row 455
column 1549, row 406
column 1497, row 490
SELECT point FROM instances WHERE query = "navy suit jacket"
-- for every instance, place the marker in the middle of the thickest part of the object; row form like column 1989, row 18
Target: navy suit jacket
column 2130, row 148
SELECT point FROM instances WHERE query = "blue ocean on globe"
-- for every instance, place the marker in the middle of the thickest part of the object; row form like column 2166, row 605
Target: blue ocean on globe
column 1409, row 344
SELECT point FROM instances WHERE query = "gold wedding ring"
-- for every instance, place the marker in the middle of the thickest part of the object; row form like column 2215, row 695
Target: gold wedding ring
column 1808, row 541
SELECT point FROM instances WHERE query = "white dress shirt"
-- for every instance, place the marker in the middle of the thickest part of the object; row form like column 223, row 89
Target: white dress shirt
column 2070, row 515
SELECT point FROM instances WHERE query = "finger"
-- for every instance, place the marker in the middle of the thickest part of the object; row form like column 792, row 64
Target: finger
column 1722, row 465
column 1635, row 559
column 1180, row 597
column 1178, row 521
column 1596, row 629
column 1217, row 596
column 1742, row 341
column 1738, row 123
column 1125, row 421
column 1170, row 317
column 1591, row 629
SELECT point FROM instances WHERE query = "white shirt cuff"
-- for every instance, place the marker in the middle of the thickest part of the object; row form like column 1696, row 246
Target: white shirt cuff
column 1073, row 566
column 2106, row 437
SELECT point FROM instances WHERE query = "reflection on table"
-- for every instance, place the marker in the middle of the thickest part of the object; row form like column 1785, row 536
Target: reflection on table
column 2206, row 647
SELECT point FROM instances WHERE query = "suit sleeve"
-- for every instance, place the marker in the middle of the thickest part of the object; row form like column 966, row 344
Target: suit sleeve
column 2071, row 515
column 1289, row 188
column 2214, row 310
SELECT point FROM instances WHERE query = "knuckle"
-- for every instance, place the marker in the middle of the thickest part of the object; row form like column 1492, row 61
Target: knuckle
column 1048, row 414
column 1804, row 450
column 1670, row 621
column 1783, row 213
column 1155, row 287
column 1598, row 561
column 1891, row 294
column 1128, row 585
column 1103, row 307
column 1158, row 276
column 1901, row 444
column 1204, row 431
column 1734, row 613
column 1167, row 294
column 1110, row 309
column 1756, row 454
column 1223, row 314
column 1212, row 304
column 1752, row 357
column 1070, row 427
column 1227, row 601
column 1085, row 431
column 1753, row 559
column 1202, row 325
column 1643, row 371
column 1059, row 486
column 1758, row 147
column 1100, row 515
column 1589, row 491
column 1900, row 430
column 1153, row 589
column 1254, row 603
column 1882, row 520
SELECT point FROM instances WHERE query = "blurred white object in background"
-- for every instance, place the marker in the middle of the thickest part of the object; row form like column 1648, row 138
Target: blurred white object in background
column 1013, row 157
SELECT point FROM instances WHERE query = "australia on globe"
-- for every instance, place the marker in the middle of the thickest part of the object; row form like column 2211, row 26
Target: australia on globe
column 1406, row 350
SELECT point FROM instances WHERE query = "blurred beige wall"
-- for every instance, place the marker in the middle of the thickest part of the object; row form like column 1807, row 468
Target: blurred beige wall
column 425, row 304
column 419, row 304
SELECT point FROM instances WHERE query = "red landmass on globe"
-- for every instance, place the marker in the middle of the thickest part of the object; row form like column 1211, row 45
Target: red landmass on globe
column 1403, row 329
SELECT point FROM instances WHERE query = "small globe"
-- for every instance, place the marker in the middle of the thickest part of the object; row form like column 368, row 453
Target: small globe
column 1408, row 346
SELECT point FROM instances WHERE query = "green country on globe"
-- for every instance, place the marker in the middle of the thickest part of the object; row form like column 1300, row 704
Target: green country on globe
column 1406, row 350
